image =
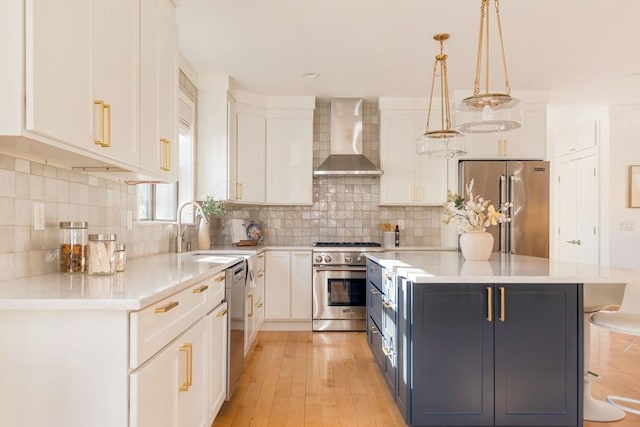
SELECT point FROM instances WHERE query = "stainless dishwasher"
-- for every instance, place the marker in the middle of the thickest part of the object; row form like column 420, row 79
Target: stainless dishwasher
column 235, row 279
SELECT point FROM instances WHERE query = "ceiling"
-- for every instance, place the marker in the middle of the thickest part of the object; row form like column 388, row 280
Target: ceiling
column 581, row 51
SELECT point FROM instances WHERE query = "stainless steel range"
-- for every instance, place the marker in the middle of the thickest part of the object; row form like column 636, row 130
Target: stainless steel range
column 339, row 285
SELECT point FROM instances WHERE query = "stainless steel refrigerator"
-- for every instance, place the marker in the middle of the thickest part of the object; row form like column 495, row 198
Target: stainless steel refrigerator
column 523, row 183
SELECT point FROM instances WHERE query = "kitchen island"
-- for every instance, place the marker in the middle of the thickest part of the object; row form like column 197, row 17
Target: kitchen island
column 484, row 343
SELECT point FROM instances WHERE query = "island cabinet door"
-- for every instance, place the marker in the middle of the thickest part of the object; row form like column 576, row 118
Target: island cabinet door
column 537, row 356
column 452, row 354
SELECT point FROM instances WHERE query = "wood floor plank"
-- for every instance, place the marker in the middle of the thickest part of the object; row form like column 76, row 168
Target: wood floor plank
column 305, row 379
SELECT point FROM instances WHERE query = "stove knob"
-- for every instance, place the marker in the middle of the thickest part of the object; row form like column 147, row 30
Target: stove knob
column 318, row 259
column 348, row 259
column 359, row 259
column 327, row 258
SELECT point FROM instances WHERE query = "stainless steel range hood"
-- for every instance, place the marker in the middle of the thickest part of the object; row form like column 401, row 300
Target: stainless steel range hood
column 345, row 157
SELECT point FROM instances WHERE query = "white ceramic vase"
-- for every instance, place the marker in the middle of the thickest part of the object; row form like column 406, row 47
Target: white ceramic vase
column 476, row 245
column 204, row 237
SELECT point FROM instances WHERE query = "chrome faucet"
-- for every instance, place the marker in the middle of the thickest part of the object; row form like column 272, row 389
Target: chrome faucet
column 180, row 236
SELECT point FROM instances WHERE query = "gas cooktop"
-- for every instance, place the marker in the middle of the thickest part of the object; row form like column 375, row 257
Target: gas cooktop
column 346, row 245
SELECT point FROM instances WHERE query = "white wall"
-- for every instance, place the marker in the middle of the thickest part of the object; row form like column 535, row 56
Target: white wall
column 624, row 150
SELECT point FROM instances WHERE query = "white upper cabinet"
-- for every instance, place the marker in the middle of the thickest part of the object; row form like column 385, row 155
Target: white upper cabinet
column 526, row 142
column 250, row 156
column 82, row 75
column 158, row 88
column 72, row 79
column 58, row 80
column 576, row 136
column 408, row 178
column 289, row 173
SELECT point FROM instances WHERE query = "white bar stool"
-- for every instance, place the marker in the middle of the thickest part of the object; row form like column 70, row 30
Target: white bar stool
column 625, row 321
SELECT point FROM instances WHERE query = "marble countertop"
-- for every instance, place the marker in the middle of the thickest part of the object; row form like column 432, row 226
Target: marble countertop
column 145, row 281
column 451, row 267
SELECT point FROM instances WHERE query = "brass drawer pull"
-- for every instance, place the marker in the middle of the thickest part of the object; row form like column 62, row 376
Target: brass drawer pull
column 201, row 289
column 187, row 348
column 489, row 304
column 170, row 305
column 219, row 279
column 222, row 313
column 373, row 291
column 503, row 305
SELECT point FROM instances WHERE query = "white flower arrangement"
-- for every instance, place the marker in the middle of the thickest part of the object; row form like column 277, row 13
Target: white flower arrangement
column 473, row 213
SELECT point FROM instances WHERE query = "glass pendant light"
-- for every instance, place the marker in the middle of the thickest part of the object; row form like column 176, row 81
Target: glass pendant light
column 488, row 111
column 444, row 142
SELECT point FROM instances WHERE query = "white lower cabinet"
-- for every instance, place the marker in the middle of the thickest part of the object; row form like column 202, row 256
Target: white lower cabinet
column 171, row 389
column 288, row 285
column 254, row 303
column 161, row 366
column 218, row 333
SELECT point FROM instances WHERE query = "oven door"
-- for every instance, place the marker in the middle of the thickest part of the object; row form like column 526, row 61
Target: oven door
column 339, row 293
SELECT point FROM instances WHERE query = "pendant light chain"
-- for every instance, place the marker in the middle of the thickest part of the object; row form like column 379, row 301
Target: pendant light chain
column 504, row 57
column 476, row 81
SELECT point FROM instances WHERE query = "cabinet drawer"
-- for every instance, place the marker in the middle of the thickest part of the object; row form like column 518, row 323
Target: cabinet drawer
column 374, row 274
column 374, row 297
column 215, row 290
column 374, row 337
column 155, row 326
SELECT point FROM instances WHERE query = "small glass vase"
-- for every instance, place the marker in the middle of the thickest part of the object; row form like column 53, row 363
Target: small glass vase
column 476, row 245
column 204, row 236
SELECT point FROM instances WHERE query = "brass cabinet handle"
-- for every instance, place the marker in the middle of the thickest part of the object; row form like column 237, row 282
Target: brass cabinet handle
column 387, row 305
column 375, row 267
column 489, row 304
column 374, row 331
column 260, row 256
column 239, row 190
column 99, row 139
column 187, row 348
column 250, row 296
column 386, row 351
column 107, row 128
column 259, row 305
column 503, row 306
column 219, row 279
column 166, row 154
column 200, row 289
column 170, row 305
column 373, row 291
column 222, row 313
column 260, row 273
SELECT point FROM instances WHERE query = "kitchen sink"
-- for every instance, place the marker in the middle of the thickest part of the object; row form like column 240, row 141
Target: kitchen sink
column 211, row 258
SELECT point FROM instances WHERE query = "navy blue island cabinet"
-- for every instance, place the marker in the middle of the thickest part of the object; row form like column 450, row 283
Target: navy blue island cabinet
column 487, row 354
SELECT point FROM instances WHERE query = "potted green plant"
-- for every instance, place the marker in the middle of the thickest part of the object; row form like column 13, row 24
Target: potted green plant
column 213, row 209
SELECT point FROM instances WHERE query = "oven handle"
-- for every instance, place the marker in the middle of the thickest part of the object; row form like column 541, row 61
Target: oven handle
column 340, row 268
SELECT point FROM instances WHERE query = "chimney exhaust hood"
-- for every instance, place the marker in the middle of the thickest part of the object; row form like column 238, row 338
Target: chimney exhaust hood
column 345, row 156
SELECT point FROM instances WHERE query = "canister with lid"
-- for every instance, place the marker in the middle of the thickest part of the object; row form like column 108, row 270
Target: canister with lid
column 73, row 246
column 121, row 257
column 102, row 254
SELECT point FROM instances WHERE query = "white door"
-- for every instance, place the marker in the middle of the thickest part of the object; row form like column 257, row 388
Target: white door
column 115, row 71
column 578, row 210
column 193, row 408
column 218, row 319
column 277, row 286
column 251, row 138
column 289, row 160
column 301, row 285
column 58, row 70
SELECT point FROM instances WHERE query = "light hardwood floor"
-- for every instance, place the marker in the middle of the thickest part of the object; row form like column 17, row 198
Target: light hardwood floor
column 330, row 379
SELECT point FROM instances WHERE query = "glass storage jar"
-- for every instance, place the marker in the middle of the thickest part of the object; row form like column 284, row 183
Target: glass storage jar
column 73, row 246
column 102, row 254
column 121, row 257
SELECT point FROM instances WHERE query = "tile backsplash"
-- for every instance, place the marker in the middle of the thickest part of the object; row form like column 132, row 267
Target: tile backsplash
column 66, row 196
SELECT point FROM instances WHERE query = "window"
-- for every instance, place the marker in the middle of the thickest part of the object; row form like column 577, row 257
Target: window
column 159, row 202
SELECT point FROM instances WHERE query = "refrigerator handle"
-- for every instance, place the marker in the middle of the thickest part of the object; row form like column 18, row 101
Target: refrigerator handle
column 502, row 244
column 512, row 240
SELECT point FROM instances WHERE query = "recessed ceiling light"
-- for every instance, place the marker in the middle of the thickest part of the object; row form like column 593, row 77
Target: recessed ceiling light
column 311, row 75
